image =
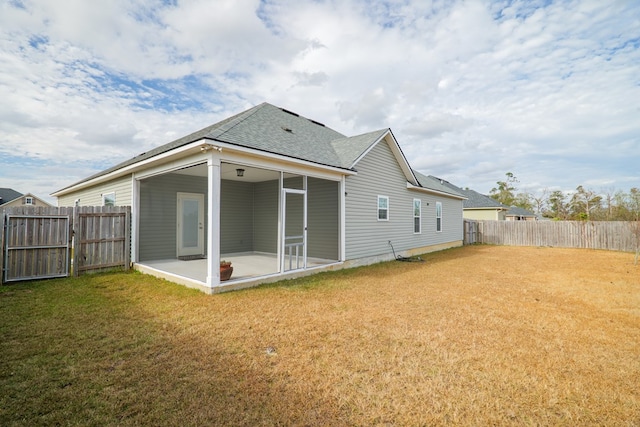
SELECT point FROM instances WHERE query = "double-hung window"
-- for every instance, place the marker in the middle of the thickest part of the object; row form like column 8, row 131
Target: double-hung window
column 383, row 208
column 438, row 216
column 417, row 216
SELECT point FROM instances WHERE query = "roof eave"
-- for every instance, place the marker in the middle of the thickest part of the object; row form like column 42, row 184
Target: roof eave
column 194, row 148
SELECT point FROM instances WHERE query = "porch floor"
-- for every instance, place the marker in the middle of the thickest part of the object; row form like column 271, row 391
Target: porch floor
column 245, row 266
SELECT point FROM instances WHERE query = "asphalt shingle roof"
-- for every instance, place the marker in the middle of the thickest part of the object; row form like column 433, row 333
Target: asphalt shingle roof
column 8, row 194
column 271, row 129
column 518, row 211
column 437, row 184
column 474, row 200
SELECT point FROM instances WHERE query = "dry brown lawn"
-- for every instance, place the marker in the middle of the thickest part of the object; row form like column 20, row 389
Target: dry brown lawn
column 480, row 335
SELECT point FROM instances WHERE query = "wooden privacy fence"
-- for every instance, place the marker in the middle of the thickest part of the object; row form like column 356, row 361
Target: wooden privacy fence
column 611, row 235
column 37, row 243
column 470, row 232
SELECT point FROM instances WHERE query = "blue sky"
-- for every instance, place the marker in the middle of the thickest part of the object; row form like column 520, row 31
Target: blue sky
column 547, row 90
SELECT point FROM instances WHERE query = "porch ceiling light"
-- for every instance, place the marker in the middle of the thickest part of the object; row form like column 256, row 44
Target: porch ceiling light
column 240, row 172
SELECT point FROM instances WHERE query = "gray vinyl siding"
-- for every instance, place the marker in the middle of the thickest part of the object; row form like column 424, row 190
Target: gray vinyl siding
column 236, row 216
column 158, row 210
column 380, row 174
column 323, row 221
column 92, row 196
column 265, row 218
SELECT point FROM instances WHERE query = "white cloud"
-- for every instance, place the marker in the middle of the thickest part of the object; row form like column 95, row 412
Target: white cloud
column 472, row 90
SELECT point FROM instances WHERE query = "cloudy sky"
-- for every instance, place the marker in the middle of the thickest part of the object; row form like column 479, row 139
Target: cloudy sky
column 547, row 90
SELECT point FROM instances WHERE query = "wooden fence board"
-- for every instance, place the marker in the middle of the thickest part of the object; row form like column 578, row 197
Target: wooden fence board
column 610, row 235
column 35, row 242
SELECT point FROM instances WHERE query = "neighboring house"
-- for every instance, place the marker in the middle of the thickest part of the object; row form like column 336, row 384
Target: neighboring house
column 478, row 206
column 10, row 198
column 276, row 194
column 519, row 214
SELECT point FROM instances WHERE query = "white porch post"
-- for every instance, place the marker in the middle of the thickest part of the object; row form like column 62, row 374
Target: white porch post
column 135, row 216
column 213, row 221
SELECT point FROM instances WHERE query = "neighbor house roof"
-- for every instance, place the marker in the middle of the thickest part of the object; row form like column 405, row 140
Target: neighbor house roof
column 274, row 130
column 474, row 199
column 8, row 194
column 517, row 211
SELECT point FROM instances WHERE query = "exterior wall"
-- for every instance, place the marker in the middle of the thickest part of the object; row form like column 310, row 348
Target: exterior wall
column 380, row 174
column 158, row 213
column 93, row 196
column 37, row 202
column 236, row 216
column 484, row 214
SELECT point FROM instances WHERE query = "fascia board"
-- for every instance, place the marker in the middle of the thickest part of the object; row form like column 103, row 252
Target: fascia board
column 398, row 154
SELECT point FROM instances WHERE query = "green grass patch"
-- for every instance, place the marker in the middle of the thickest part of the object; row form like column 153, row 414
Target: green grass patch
column 473, row 336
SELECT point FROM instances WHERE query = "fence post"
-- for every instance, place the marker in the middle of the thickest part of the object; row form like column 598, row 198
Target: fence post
column 76, row 240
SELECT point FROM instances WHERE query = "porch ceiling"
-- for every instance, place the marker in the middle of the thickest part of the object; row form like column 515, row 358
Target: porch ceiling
column 228, row 172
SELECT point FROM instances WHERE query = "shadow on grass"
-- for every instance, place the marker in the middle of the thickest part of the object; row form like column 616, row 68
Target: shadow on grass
column 124, row 349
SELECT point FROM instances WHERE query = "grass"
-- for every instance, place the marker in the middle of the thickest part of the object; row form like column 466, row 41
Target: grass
column 478, row 335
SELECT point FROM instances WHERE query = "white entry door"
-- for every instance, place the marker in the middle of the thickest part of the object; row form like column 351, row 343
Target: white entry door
column 190, row 233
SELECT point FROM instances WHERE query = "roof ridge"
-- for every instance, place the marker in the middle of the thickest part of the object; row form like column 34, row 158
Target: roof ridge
column 217, row 132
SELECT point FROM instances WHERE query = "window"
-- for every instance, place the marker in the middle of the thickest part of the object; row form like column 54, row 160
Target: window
column 438, row 216
column 109, row 199
column 383, row 208
column 417, row 216
column 28, row 201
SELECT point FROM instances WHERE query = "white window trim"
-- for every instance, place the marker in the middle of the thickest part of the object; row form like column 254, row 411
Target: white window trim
column 28, row 200
column 439, row 211
column 378, row 208
column 419, row 216
column 106, row 195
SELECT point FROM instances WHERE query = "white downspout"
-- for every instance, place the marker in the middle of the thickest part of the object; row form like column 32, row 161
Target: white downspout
column 343, row 219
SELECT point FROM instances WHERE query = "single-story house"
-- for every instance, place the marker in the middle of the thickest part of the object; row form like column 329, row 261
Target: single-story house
column 10, row 198
column 278, row 195
column 516, row 213
column 478, row 206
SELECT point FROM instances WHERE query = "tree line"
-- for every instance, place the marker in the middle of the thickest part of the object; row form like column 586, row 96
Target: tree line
column 584, row 204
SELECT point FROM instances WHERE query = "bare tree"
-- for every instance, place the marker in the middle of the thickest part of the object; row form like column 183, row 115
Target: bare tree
column 539, row 200
column 609, row 197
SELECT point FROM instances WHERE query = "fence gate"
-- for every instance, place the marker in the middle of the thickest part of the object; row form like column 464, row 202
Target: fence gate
column 470, row 232
column 38, row 243
column 35, row 247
